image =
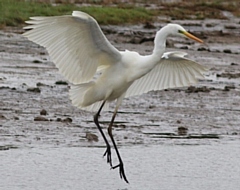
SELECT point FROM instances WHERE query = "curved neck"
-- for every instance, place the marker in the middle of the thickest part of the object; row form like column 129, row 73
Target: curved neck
column 150, row 61
column 160, row 41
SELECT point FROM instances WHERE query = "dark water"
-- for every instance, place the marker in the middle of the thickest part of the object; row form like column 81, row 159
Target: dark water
column 169, row 167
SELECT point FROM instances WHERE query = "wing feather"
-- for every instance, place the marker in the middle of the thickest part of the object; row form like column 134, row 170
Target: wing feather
column 173, row 70
column 75, row 44
column 179, row 79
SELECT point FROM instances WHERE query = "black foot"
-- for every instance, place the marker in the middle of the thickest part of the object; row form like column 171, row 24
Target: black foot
column 108, row 153
column 121, row 171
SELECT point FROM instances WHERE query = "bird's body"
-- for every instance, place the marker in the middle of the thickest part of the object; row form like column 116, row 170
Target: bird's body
column 99, row 73
column 115, row 80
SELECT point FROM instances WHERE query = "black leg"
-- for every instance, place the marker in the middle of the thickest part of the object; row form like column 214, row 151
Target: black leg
column 108, row 150
column 120, row 165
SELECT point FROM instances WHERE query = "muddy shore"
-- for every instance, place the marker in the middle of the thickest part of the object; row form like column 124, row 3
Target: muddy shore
column 35, row 109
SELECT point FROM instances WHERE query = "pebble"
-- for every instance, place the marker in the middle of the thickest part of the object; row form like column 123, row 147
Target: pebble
column 67, row 120
column 43, row 112
column 37, row 90
column 61, row 82
column 227, row 51
column 182, row 130
column 228, row 88
column 2, row 117
column 193, row 89
column 58, row 119
column 229, row 75
column 91, row 137
column 40, row 118
column 37, row 61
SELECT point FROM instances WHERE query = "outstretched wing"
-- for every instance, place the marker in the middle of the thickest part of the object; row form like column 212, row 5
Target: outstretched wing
column 173, row 70
column 75, row 44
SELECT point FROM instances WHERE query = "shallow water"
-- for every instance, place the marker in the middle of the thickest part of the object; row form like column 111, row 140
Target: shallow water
column 194, row 167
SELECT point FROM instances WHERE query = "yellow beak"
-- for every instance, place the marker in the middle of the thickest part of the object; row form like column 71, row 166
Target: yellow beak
column 192, row 36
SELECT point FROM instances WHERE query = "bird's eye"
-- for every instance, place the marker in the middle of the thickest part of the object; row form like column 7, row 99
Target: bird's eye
column 180, row 31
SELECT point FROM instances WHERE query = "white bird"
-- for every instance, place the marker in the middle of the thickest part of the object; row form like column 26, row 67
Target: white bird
column 100, row 74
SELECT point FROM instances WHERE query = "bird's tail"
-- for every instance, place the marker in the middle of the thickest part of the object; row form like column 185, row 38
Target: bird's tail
column 77, row 93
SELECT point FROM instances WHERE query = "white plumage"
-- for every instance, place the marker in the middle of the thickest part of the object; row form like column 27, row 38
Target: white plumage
column 79, row 49
column 99, row 73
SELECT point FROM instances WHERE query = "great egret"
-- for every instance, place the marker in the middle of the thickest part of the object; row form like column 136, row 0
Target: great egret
column 100, row 74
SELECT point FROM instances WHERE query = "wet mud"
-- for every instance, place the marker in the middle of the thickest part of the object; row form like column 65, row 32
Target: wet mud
column 35, row 109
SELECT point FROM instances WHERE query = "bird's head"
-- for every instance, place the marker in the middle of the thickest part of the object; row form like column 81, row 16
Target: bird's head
column 176, row 29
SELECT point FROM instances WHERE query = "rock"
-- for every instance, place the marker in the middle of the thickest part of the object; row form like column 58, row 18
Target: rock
column 228, row 88
column 43, row 112
column 193, row 89
column 67, row 120
column 182, row 130
column 229, row 75
column 227, row 51
column 2, row 117
column 40, row 118
column 7, row 87
column 184, row 47
column 202, row 49
column 43, row 53
column 37, row 61
column 4, row 87
column 58, row 119
column 151, row 106
column 37, row 90
column 4, row 148
column 61, row 82
column 41, row 84
column 91, row 137
column 178, row 121
column 230, row 27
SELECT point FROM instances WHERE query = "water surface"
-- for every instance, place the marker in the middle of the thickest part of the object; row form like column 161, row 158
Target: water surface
column 168, row 167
